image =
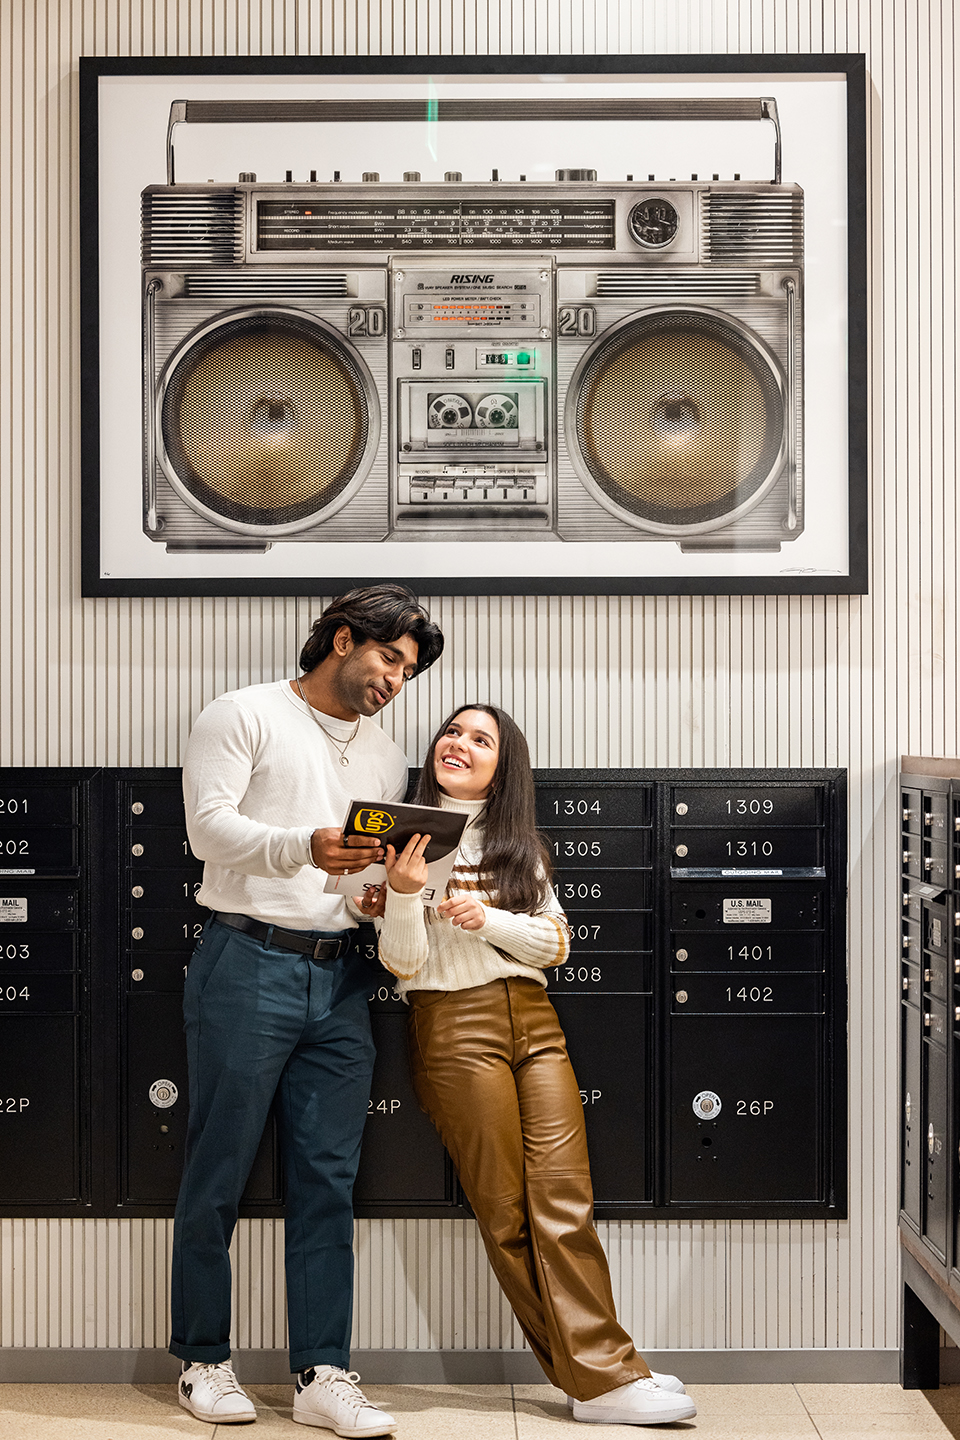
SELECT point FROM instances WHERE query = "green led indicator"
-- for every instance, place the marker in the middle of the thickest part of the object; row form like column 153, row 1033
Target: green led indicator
column 523, row 358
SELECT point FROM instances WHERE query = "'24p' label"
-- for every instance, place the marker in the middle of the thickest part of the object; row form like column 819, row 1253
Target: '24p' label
column 747, row 912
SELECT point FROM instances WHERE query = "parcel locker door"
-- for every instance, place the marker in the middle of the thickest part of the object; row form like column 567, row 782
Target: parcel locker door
column 746, row 1112
column 402, row 1161
column 912, row 1161
column 39, row 1123
column 155, row 1107
column 160, row 924
column 934, row 1142
column 608, row 1041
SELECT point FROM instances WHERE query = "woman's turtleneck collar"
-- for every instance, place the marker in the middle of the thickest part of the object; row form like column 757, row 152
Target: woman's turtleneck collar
column 472, row 808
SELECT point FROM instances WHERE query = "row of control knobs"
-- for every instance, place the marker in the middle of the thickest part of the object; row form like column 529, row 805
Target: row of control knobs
column 248, row 177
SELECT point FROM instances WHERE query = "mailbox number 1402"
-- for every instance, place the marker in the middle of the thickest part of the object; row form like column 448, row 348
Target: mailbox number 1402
column 757, row 994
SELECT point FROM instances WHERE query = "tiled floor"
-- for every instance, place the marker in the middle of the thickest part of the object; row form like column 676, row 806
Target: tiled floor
column 490, row 1412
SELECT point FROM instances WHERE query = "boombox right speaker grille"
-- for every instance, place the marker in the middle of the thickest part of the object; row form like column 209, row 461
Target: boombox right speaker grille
column 264, row 420
column 680, row 418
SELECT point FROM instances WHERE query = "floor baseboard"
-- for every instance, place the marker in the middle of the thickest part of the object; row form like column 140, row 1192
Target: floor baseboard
column 470, row 1367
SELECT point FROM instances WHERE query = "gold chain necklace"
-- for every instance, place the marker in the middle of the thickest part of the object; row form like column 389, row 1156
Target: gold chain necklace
column 332, row 738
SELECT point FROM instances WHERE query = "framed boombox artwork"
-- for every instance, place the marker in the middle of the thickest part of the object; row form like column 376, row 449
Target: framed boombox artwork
column 528, row 324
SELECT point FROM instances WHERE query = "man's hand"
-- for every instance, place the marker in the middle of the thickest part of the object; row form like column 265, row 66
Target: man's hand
column 464, row 912
column 331, row 854
column 373, row 902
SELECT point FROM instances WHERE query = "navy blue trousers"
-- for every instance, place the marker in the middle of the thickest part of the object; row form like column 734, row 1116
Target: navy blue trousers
column 264, row 1024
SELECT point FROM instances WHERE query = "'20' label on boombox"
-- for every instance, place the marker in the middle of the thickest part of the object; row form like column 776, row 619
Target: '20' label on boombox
column 747, row 912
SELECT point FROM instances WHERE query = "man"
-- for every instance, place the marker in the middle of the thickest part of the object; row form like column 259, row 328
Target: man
column 275, row 1001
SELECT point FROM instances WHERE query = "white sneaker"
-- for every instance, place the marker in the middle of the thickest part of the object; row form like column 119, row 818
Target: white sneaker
column 642, row 1402
column 212, row 1392
column 331, row 1398
column 666, row 1382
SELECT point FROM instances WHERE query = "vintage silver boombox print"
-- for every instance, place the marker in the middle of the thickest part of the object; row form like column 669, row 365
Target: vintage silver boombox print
column 369, row 358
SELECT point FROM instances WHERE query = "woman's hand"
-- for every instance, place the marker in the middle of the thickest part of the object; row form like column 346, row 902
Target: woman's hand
column 464, row 912
column 407, row 872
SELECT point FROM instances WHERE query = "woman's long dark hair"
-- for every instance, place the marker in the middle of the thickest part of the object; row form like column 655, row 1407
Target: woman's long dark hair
column 516, row 865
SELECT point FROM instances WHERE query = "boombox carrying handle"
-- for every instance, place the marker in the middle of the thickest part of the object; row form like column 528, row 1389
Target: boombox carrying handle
column 266, row 112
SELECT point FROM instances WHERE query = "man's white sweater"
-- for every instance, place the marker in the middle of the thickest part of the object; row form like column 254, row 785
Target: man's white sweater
column 425, row 952
column 259, row 776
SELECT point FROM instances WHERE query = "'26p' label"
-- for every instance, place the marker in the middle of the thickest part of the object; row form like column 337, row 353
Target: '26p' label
column 747, row 912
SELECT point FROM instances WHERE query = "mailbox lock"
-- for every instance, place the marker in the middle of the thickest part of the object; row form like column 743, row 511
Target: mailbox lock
column 931, row 1139
column 907, row 1107
column 163, row 1094
column 682, row 955
column 682, row 997
column 137, row 932
column 681, row 808
column 136, row 849
column 956, row 1012
column 926, row 1019
column 928, row 817
column 137, row 808
column 928, row 864
column 137, row 892
column 906, row 857
column 707, row 1105
column 681, row 849
column 926, row 977
column 906, row 982
column 137, row 975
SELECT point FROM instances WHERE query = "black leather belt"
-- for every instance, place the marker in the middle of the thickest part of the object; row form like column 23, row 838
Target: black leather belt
column 287, row 939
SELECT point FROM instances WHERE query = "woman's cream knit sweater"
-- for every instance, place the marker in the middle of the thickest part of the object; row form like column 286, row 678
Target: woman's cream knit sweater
column 425, row 952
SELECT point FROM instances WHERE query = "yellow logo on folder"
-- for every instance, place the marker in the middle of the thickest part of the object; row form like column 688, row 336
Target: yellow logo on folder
column 373, row 822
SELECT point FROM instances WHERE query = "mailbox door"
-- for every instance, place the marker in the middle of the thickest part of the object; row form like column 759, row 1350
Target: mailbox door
column 746, row 1109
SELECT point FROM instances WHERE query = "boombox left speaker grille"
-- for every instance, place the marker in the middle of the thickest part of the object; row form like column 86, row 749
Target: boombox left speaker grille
column 680, row 418
column 265, row 420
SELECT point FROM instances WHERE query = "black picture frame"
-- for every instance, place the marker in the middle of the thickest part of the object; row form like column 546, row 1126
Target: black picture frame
column 101, row 359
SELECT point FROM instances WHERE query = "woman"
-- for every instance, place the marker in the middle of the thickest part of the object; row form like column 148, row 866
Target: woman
column 490, row 1066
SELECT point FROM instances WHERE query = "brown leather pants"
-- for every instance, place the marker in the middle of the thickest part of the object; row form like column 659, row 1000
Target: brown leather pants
column 490, row 1068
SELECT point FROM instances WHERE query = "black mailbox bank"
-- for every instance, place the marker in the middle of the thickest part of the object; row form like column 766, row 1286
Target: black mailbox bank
column 703, row 1001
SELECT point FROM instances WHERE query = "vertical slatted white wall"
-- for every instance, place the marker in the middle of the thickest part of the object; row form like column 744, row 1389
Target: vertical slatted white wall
column 743, row 681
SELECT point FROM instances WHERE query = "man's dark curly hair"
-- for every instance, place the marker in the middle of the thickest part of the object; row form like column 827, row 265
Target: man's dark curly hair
column 376, row 612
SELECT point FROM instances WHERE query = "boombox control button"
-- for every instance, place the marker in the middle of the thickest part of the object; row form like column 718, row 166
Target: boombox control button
column 576, row 174
column 452, row 175
column 247, row 177
column 370, row 176
column 410, row 175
